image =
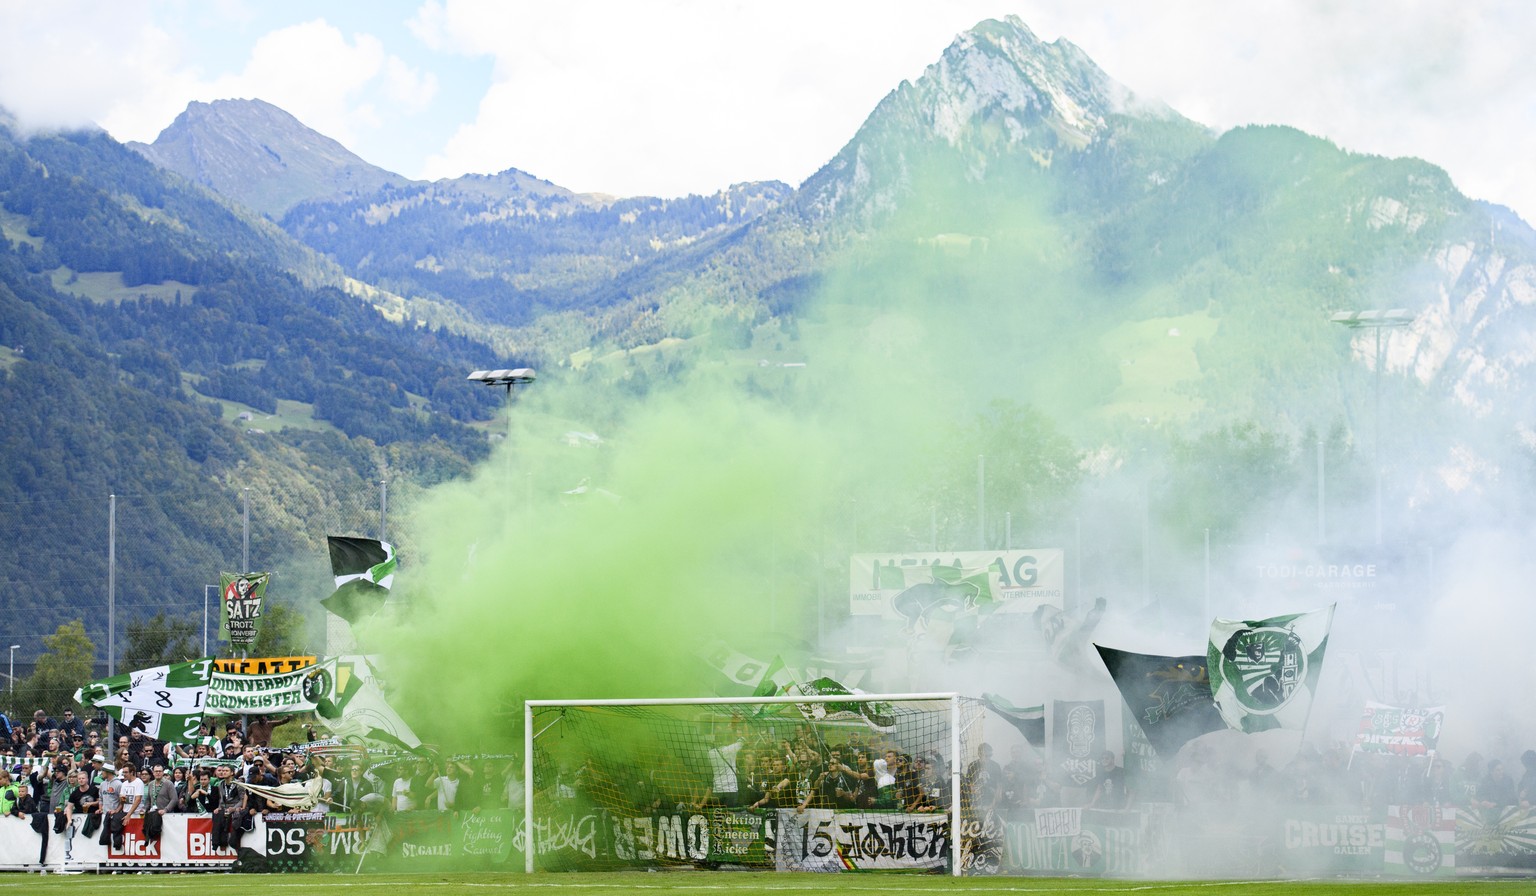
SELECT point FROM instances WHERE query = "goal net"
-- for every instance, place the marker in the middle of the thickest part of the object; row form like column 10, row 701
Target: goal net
column 789, row 783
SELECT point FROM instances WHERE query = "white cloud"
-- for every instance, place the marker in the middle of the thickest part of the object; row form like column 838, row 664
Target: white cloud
column 69, row 64
column 318, row 74
column 678, row 96
column 1446, row 82
column 675, row 96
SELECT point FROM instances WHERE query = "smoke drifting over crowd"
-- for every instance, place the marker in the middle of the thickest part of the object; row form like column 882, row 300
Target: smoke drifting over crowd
column 942, row 407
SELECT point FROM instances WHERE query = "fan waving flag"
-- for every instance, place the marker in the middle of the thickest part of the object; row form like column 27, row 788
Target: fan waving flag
column 1265, row 672
column 165, row 702
column 364, row 569
column 1168, row 696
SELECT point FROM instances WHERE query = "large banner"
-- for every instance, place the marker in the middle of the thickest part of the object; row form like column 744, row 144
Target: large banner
column 262, row 665
column 241, row 596
column 278, row 694
column 1494, row 839
column 1079, row 842
column 1399, row 731
column 829, row 840
column 186, row 841
column 1411, row 842
column 912, row 588
column 1421, row 841
column 1077, row 740
column 1330, row 839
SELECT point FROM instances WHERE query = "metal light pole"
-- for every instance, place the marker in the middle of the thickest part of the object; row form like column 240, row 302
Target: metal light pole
column 245, row 530
column 207, row 591
column 112, row 584
column 1396, row 318
column 12, row 676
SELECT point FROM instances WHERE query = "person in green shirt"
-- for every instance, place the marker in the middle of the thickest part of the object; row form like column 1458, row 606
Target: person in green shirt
column 8, row 794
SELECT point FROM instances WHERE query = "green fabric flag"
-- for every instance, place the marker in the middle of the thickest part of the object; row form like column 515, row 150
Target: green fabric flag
column 976, row 581
column 364, row 569
column 165, row 702
column 361, row 710
column 1030, row 720
column 1264, row 672
column 777, row 679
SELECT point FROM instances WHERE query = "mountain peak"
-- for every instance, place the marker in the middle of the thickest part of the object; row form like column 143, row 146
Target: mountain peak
column 997, row 91
column 1000, row 75
column 260, row 155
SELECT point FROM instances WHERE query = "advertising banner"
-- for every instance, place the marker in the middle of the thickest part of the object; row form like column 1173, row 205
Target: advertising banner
column 262, row 665
column 1332, row 840
column 911, row 587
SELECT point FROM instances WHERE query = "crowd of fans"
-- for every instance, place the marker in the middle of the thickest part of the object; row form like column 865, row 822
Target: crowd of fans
column 56, row 772
column 803, row 770
column 791, row 768
column 1373, row 781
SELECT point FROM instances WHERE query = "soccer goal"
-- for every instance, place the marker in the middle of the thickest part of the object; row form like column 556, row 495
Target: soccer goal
column 790, row 783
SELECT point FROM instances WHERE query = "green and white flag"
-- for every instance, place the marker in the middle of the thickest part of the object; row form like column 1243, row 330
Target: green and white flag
column 165, row 702
column 777, row 679
column 1264, row 672
column 364, row 569
column 359, row 709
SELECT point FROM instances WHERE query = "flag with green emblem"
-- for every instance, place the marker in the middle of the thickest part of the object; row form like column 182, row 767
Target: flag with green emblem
column 1264, row 672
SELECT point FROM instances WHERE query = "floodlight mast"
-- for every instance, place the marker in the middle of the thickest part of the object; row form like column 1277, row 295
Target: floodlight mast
column 515, row 377
column 1394, row 318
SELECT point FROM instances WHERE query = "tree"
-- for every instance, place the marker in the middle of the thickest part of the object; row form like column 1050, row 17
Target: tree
column 64, row 667
column 159, row 640
column 1232, row 481
column 282, row 632
column 1031, row 469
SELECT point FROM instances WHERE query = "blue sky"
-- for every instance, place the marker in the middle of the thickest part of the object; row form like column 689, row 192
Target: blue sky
column 668, row 97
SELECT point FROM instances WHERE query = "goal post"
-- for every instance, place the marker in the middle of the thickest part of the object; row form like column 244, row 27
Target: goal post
column 795, row 782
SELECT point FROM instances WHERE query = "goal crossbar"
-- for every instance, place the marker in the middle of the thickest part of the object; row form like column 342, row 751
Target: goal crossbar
column 951, row 697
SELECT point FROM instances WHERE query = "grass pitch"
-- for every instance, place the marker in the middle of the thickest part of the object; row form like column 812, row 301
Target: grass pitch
column 727, row 884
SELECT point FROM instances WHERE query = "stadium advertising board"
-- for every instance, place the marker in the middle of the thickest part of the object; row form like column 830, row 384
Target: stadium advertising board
column 1330, row 839
column 1405, row 841
column 911, row 587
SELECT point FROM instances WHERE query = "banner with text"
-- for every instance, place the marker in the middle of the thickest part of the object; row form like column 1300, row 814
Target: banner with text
column 913, row 587
column 283, row 693
column 241, row 595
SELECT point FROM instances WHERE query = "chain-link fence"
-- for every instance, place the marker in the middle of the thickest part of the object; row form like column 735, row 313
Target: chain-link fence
column 113, row 560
